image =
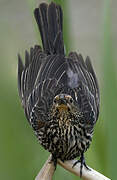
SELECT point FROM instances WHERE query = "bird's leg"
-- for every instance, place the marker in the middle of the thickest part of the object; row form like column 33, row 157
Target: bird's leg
column 82, row 161
column 54, row 160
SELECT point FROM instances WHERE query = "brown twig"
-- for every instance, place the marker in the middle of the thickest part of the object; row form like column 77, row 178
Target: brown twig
column 47, row 171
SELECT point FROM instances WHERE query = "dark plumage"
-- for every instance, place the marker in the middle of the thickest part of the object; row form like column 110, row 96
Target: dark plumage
column 59, row 93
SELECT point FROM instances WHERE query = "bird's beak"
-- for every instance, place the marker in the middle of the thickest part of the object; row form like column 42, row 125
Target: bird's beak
column 62, row 105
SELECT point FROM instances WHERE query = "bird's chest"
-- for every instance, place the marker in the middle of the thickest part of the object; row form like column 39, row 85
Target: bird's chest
column 63, row 138
column 64, row 120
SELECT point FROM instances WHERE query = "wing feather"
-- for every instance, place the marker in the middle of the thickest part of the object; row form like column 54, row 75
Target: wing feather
column 83, row 73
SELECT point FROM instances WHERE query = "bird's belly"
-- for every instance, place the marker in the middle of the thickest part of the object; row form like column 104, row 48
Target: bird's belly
column 64, row 142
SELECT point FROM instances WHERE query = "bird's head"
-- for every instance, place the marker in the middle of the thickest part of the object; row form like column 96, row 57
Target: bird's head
column 65, row 109
column 63, row 102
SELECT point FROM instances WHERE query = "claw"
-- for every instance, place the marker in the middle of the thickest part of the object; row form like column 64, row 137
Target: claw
column 78, row 161
column 82, row 161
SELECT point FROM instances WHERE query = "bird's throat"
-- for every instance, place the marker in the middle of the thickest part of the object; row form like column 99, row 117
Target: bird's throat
column 63, row 108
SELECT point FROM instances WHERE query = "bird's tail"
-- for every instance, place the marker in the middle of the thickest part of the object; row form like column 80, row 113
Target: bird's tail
column 50, row 23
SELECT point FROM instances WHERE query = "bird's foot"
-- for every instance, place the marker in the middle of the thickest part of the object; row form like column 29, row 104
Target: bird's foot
column 82, row 161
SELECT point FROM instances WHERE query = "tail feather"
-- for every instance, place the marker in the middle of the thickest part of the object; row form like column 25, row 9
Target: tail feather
column 59, row 44
column 41, row 19
column 50, row 23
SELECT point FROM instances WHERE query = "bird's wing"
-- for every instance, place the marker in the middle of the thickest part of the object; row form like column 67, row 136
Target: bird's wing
column 44, row 76
column 40, row 79
column 82, row 79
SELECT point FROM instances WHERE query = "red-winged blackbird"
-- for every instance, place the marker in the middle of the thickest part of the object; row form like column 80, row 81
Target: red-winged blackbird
column 59, row 93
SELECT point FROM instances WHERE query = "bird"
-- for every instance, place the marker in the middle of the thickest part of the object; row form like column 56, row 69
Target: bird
column 59, row 93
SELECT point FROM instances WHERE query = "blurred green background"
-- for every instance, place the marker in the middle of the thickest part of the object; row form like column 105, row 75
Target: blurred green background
column 89, row 28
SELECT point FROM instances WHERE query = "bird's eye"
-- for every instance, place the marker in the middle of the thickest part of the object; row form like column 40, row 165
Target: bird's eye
column 55, row 100
column 71, row 100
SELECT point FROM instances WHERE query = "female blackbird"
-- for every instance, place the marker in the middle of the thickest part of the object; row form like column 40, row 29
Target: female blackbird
column 59, row 93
